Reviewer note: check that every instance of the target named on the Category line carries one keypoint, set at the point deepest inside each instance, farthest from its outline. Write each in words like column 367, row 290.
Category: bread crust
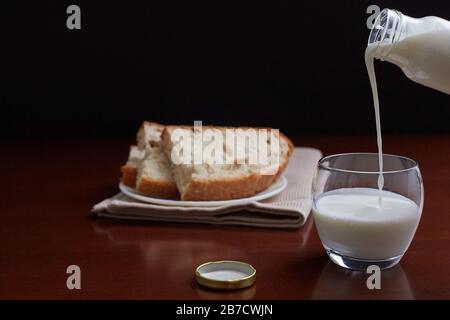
column 129, row 174
column 157, row 188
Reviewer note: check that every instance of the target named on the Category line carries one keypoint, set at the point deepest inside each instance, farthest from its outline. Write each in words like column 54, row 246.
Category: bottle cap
column 225, row 275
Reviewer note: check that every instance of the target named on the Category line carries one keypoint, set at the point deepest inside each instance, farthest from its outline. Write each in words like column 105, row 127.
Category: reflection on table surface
column 338, row 283
column 170, row 258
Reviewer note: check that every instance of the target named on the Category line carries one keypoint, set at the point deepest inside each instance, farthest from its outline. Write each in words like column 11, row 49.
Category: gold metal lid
column 225, row 275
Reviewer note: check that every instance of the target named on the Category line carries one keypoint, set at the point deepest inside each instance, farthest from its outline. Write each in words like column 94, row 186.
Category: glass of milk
column 360, row 224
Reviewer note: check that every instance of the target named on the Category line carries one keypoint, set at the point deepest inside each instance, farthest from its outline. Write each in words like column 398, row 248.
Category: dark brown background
column 223, row 62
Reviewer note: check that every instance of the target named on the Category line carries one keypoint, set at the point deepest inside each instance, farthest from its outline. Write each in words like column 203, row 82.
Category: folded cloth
column 288, row 209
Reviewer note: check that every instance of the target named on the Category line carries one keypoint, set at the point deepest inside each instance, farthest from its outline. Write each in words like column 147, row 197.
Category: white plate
column 277, row 187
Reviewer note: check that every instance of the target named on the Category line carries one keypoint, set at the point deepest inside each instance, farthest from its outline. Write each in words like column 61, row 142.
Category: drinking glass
column 355, row 230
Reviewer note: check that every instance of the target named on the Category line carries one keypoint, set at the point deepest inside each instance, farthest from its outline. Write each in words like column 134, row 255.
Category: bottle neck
column 386, row 31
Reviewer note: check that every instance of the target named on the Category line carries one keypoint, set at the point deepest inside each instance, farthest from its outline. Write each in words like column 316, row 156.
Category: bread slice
column 129, row 170
column 147, row 169
column 149, row 135
column 154, row 177
column 211, row 181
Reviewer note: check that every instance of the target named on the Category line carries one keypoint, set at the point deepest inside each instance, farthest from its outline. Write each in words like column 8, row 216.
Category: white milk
column 351, row 222
column 428, row 57
column 420, row 47
column 371, row 224
column 422, row 51
column 370, row 55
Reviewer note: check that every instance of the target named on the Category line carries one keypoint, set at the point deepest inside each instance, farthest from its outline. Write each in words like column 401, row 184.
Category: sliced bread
column 129, row 170
column 147, row 169
column 212, row 181
column 154, row 177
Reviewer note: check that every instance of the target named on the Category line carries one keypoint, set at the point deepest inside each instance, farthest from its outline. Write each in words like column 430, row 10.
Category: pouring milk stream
column 364, row 223
column 420, row 47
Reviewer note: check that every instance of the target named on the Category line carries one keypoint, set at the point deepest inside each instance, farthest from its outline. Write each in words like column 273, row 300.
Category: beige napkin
column 289, row 209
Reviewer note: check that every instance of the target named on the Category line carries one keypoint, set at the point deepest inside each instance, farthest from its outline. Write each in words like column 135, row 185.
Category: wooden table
column 48, row 189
